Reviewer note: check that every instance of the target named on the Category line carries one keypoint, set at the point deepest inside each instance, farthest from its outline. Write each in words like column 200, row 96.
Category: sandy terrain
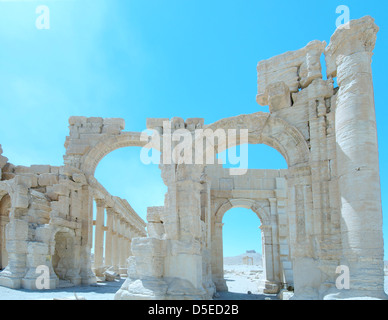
column 239, row 278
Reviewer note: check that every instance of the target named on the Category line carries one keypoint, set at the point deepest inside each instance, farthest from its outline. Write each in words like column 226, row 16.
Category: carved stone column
column 129, row 246
column 86, row 273
column 348, row 57
column 275, row 240
column 108, row 237
column 115, row 243
column 99, row 237
column 122, row 253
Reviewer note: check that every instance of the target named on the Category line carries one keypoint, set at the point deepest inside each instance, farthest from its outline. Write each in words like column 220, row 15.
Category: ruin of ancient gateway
column 322, row 212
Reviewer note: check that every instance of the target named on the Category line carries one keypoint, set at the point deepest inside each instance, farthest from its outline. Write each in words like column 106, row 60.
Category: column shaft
column 108, row 238
column 99, row 235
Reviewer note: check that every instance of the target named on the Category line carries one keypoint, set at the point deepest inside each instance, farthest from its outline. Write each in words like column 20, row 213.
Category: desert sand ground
column 244, row 283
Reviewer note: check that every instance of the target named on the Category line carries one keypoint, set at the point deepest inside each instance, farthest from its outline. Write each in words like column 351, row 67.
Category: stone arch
column 5, row 207
column 217, row 233
column 255, row 206
column 106, row 145
column 266, row 129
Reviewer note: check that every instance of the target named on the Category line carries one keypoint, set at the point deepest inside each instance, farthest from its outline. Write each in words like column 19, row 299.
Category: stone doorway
column 243, row 261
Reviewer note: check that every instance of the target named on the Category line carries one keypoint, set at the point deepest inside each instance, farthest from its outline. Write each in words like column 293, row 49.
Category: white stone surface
column 322, row 212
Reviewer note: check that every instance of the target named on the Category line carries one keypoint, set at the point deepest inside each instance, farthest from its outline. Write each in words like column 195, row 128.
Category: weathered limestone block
column 155, row 227
column 37, row 255
column 149, row 253
column 39, row 208
column 22, row 169
column 154, row 214
column 195, row 123
column 39, row 169
column 61, row 206
column 156, row 124
column 307, row 279
column 74, row 120
column 43, row 233
column 113, row 125
column 17, row 236
column 25, row 181
column 177, row 123
column 77, row 148
column 297, row 69
column 150, row 288
column 111, row 275
column 176, row 247
column 3, row 160
column 20, row 198
column 278, row 95
column 48, row 179
column 57, row 190
column 8, row 171
column 79, row 178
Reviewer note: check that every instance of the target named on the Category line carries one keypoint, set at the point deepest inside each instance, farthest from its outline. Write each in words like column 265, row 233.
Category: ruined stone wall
column 47, row 219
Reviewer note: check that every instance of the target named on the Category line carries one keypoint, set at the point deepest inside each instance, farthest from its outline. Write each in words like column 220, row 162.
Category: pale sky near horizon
column 140, row 59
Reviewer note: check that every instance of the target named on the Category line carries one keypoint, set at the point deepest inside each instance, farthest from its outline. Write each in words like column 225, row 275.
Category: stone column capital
column 100, row 203
column 356, row 36
column 110, row 211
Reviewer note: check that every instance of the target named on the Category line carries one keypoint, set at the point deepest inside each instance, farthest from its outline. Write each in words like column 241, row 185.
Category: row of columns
column 117, row 240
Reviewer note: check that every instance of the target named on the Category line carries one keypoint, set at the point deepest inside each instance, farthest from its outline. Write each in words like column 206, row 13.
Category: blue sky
column 135, row 59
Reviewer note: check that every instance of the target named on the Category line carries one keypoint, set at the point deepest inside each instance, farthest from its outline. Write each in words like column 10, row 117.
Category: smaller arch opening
column 243, row 264
column 123, row 174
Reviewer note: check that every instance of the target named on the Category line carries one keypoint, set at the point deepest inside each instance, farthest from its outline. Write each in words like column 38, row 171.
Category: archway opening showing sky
column 241, row 232
column 123, row 174
column 241, row 226
column 253, row 156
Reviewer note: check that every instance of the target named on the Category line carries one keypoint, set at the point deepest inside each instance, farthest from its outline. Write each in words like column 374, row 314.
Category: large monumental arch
column 321, row 213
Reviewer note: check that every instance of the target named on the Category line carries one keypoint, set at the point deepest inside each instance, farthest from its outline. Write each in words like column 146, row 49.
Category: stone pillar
column 185, row 262
column 86, row 273
column 275, row 239
column 37, row 256
column 16, row 245
column 16, row 234
column 174, row 263
column 129, row 246
column 123, row 257
column 115, row 243
column 307, row 274
column 348, row 57
column 218, row 259
column 99, row 237
column 109, row 237
column 270, row 286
